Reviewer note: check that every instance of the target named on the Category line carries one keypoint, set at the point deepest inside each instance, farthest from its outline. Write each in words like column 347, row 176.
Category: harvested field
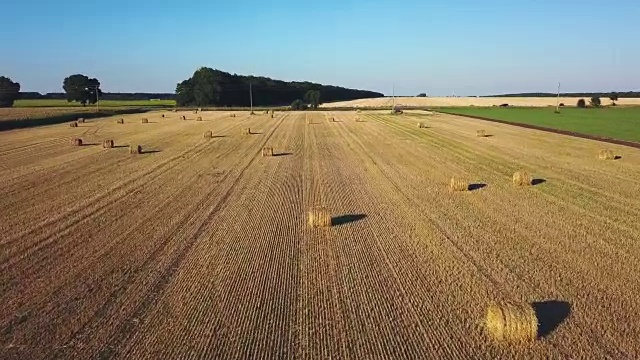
column 467, row 101
column 202, row 249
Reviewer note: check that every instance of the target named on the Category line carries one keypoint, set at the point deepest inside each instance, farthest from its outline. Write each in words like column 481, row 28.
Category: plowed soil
column 199, row 248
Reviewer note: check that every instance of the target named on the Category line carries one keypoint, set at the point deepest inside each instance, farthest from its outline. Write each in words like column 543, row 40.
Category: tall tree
column 9, row 91
column 312, row 97
column 613, row 97
column 595, row 101
column 82, row 89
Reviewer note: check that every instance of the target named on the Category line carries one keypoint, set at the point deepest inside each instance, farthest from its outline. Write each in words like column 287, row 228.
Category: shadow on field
column 535, row 182
column 550, row 314
column 219, row 136
column 120, row 146
column 90, row 144
column 488, row 136
column 255, row 133
column 150, row 151
column 477, row 186
column 345, row 219
column 283, row 154
column 617, row 157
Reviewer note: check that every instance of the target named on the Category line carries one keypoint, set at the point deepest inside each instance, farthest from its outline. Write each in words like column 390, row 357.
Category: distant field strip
column 621, row 123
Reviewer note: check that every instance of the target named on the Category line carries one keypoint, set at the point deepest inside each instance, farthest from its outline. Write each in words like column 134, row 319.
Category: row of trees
column 77, row 87
column 103, row 96
column 210, row 87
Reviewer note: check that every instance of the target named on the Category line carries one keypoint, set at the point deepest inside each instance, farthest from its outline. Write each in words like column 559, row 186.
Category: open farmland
column 200, row 248
column 468, row 101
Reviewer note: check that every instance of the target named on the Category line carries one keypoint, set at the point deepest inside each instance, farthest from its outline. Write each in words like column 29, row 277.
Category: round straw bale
column 162, row 115
column 246, row 131
column 135, row 149
column 76, row 142
column 458, row 185
column 145, row 120
column 481, row 133
column 208, row 134
column 184, row 117
column 199, row 118
column 267, row 151
column 420, row 125
column 319, row 217
column 522, row 178
column 233, row 115
column 510, row 322
column 81, row 120
column 107, row 144
column 120, row 121
column 606, row 154
column 73, row 124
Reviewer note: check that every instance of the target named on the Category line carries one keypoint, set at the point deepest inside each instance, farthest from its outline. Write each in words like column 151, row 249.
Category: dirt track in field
column 198, row 248
column 469, row 101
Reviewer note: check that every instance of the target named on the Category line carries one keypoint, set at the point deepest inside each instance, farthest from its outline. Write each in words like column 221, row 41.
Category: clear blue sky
column 467, row 46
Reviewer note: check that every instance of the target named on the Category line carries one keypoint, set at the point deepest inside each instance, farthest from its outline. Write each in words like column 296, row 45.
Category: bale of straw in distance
column 199, row 118
column 184, row 117
column 511, row 322
column 357, row 118
column 246, row 131
column 208, row 134
column 145, row 120
column 162, row 115
column 73, row 124
column 522, row 178
column 458, row 185
column 135, row 149
column 107, row 144
column 76, row 142
column 267, row 151
column 233, row 115
column 606, row 154
column 81, row 120
column 120, row 121
column 420, row 125
column 195, row 111
column 319, row 217
column 481, row 133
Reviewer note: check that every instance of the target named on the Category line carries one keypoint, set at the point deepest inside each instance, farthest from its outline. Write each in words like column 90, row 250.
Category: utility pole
column 558, row 99
column 394, row 97
column 97, row 100
column 251, row 97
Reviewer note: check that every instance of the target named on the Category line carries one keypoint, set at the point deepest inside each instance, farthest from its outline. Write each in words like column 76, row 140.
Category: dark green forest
column 210, row 87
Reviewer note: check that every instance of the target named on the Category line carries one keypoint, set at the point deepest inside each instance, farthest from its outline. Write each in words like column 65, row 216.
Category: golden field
column 200, row 247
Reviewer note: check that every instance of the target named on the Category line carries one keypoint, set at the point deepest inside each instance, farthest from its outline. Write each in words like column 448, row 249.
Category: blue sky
column 464, row 46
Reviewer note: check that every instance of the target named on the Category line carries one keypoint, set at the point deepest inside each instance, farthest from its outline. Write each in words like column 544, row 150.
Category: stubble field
column 199, row 248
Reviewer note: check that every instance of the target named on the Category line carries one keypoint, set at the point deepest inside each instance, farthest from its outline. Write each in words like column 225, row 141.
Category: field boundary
column 71, row 116
column 551, row 130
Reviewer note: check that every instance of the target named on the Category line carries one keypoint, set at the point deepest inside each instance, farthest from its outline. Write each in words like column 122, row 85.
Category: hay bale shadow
column 617, row 157
column 219, row 136
column 150, row 151
column 477, row 186
column 90, row 144
column 345, row 219
column 535, row 182
column 283, row 154
column 488, row 136
column 550, row 314
column 120, row 146
column 255, row 133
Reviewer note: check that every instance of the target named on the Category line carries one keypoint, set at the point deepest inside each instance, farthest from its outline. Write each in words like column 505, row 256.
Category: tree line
column 210, row 87
column 103, row 96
